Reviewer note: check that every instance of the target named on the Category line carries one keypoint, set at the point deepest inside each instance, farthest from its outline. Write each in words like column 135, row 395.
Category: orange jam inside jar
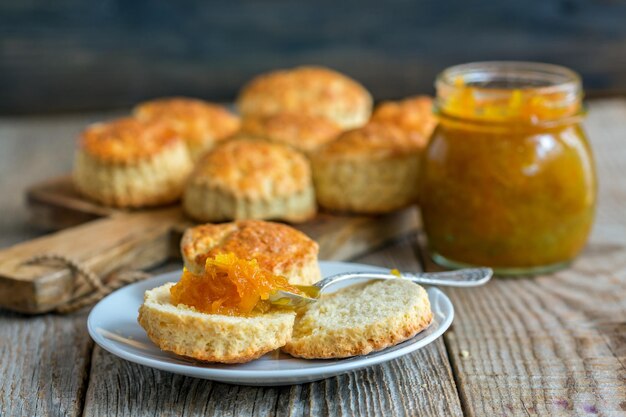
column 230, row 286
column 508, row 178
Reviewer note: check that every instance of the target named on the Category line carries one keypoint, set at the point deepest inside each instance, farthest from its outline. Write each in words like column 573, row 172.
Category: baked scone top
column 275, row 246
column 414, row 115
column 196, row 120
column 374, row 140
column 311, row 90
column 254, row 169
column 302, row 131
column 127, row 139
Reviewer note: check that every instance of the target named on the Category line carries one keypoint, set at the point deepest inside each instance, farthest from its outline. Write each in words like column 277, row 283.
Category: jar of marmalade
column 508, row 179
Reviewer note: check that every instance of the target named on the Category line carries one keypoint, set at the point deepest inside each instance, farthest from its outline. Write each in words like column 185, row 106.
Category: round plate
column 113, row 325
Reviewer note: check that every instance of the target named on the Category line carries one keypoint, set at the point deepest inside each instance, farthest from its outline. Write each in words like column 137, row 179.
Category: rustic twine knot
column 84, row 278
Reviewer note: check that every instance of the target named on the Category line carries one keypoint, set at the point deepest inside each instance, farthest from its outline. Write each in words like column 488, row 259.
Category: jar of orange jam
column 508, row 178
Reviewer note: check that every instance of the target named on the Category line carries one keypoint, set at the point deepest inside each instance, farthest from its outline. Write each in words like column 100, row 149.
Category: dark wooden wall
column 58, row 55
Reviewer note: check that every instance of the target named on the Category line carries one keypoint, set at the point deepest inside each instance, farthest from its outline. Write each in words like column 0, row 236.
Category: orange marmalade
column 230, row 286
column 508, row 178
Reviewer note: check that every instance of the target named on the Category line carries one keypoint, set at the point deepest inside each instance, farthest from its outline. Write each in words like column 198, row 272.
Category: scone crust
column 304, row 132
column 310, row 90
column 251, row 179
column 253, row 169
column 372, row 141
column 211, row 337
column 127, row 140
column 201, row 124
column 373, row 169
column 278, row 248
column 413, row 115
column 368, row 331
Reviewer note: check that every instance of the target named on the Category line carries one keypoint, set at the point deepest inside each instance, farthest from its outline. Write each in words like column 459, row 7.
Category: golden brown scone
column 373, row 169
column 278, row 248
column 251, row 179
column 304, row 132
column 211, row 337
column 131, row 163
column 360, row 319
column 199, row 123
column 307, row 90
column 413, row 115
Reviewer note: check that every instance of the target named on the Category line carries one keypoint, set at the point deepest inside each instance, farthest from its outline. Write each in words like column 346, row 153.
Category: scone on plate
column 307, row 90
column 131, row 163
column 201, row 124
column 413, row 115
column 303, row 132
column 373, row 169
column 220, row 310
column 360, row 319
column 251, row 179
column 277, row 248
column 203, row 316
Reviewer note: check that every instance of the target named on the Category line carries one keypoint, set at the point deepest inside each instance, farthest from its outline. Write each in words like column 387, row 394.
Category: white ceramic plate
column 113, row 325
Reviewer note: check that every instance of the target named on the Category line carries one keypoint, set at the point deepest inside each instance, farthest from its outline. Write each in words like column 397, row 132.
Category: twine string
column 83, row 277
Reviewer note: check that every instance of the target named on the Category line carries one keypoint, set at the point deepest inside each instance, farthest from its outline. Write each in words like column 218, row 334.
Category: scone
column 303, row 132
column 251, row 179
column 360, row 319
column 131, row 163
column 307, row 90
column 211, row 337
column 373, row 169
column 413, row 115
column 199, row 123
column 278, row 248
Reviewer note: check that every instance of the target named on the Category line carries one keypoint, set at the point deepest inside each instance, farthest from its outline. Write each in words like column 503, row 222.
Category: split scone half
column 370, row 170
column 251, row 179
column 131, row 163
column 277, row 248
column 308, row 90
column 360, row 319
column 220, row 338
column 199, row 123
column 413, row 115
column 219, row 311
column 303, row 132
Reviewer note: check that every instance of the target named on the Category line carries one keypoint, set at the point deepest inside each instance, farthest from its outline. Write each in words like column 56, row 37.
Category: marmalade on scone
column 229, row 285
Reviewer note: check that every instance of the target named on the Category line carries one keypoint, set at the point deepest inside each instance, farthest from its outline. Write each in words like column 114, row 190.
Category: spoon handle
column 468, row 277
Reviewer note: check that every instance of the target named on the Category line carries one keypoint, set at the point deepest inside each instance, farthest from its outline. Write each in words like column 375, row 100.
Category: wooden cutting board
column 108, row 240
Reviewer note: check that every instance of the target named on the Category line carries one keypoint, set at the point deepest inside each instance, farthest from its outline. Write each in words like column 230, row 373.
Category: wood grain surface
column 44, row 363
column 545, row 346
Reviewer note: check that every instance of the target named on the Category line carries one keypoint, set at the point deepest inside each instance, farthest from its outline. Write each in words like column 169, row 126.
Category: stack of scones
column 303, row 137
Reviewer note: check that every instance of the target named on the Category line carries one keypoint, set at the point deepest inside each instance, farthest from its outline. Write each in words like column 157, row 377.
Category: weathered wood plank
column 418, row 384
column 44, row 364
column 556, row 344
column 143, row 238
column 545, row 346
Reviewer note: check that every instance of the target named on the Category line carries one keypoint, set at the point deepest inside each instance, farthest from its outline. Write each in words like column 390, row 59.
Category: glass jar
column 508, row 179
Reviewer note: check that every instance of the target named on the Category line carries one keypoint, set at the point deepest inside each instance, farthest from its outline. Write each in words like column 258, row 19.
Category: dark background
column 65, row 55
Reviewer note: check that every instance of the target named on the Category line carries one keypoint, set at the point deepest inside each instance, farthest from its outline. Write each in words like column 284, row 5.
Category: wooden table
column 550, row 345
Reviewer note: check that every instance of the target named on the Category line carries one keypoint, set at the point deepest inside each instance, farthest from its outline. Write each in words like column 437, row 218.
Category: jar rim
column 511, row 75
column 509, row 92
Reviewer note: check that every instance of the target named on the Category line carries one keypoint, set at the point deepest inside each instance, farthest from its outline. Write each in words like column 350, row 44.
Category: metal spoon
column 469, row 277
